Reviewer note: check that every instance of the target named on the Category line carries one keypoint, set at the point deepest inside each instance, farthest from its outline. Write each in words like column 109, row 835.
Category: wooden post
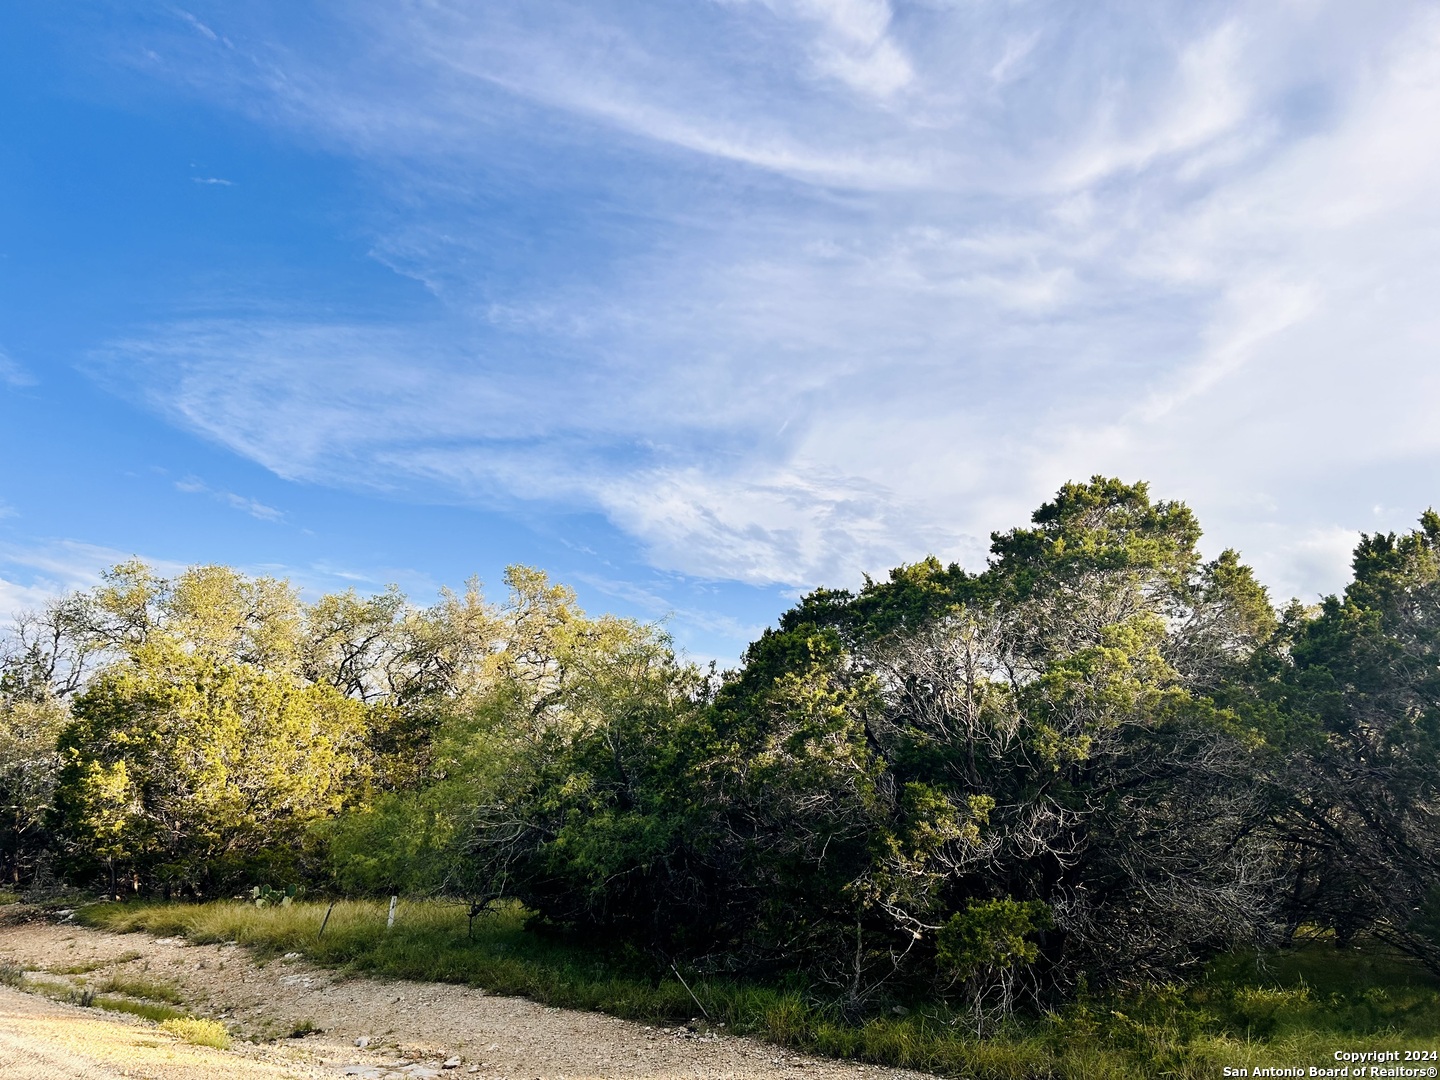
column 326, row 921
column 390, row 922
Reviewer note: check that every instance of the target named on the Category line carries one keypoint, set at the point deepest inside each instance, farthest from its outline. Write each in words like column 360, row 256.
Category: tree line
column 1097, row 762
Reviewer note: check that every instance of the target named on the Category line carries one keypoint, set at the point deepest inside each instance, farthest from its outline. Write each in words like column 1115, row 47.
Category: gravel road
column 360, row 1027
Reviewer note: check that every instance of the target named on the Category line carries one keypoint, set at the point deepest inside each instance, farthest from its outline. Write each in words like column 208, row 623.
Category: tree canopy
column 1097, row 760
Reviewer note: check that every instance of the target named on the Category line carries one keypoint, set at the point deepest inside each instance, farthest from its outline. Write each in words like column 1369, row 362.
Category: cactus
column 265, row 896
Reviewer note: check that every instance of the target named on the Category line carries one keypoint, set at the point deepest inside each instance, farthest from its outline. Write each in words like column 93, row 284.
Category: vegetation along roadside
column 1099, row 808
column 1245, row 1009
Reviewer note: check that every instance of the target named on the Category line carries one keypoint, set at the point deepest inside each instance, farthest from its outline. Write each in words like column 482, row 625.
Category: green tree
column 1045, row 734
column 578, row 738
column 1358, row 729
column 537, row 768
column 413, row 667
column 1053, row 718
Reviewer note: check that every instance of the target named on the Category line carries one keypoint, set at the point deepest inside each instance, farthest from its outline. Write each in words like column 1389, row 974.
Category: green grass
column 88, row 997
column 93, row 965
column 60, row 991
column 146, row 1010
column 1285, row 1009
column 141, row 988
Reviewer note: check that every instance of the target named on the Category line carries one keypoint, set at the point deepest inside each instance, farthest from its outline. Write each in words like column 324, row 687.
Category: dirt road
column 357, row 1026
column 42, row 1039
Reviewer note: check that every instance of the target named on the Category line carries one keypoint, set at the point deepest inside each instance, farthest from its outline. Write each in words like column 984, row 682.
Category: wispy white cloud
column 192, row 485
column 855, row 44
column 1207, row 99
column 681, row 620
column 213, row 180
column 34, row 574
column 1013, row 59
column 780, row 526
column 197, row 25
column 12, row 373
column 815, row 287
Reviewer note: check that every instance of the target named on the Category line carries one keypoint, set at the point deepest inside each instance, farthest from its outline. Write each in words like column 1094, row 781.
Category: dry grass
column 46, row 1041
column 198, row 1032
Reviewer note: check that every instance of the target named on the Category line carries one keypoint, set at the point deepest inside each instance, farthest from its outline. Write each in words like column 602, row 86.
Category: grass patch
column 93, row 965
column 1280, row 1009
column 146, row 1010
column 89, row 997
column 60, row 991
column 198, row 1032
column 141, row 988
column 303, row 1028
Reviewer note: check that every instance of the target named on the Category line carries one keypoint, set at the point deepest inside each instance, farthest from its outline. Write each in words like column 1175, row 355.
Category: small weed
column 198, row 1032
column 82, row 996
column 303, row 1028
column 11, row 974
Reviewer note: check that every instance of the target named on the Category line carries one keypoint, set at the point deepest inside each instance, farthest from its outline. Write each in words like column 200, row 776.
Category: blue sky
column 699, row 305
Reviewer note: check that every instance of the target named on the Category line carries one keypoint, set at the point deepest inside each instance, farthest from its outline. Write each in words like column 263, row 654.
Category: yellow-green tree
column 201, row 754
column 542, row 720
column 192, row 771
column 40, row 667
column 29, row 766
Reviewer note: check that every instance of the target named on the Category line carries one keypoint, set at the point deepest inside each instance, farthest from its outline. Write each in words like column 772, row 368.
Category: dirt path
column 42, row 1039
column 360, row 1026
